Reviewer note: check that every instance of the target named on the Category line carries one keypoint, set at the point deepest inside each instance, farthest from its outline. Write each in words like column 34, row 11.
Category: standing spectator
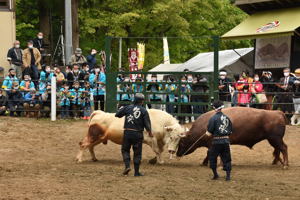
column 200, row 86
column 10, row 79
column 185, row 109
column 26, row 85
column 137, row 87
column 235, row 90
column 3, row 103
column 285, row 87
column 64, row 96
column 85, row 74
column 75, row 75
column 32, row 104
column 258, row 92
column 46, row 74
column 46, row 101
column 154, row 86
column 15, row 100
column 244, row 97
column 76, row 93
column 296, row 98
column 14, row 57
column 126, row 88
column 224, row 89
column 38, row 42
column 97, row 81
column 31, row 61
column 78, row 58
column 170, row 98
column 91, row 59
column 86, row 101
column 269, row 87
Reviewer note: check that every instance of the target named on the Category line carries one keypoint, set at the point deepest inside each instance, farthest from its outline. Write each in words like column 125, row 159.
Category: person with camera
column 26, row 85
column 97, row 81
column 32, row 103
column 91, row 59
column 78, row 58
column 65, row 101
column 14, row 57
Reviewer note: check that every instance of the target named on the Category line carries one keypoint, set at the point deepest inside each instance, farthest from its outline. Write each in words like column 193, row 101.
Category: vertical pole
column 68, row 29
column 53, row 98
column 216, row 41
column 111, row 80
column 120, row 53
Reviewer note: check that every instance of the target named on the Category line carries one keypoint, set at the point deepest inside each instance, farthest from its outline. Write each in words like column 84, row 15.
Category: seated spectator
column 244, row 97
column 64, row 101
column 137, row 87
column 76, row 93
column 199, row 85
column 86, row 101
column 97, row 81
column 126, row 88
column 60, row 77
column 10, row 79
column 3, row 103
column 15, row 100
column 85, row 74
column 26, row 85
column 78, row 58
column 32, row 104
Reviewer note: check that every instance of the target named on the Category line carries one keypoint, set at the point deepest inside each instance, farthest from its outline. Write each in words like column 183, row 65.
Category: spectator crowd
column 81, row 87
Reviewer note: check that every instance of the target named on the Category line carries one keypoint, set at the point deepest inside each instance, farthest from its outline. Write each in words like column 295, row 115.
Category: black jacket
column 15, row 98
column 38, row 43
column 3, row 101
column 220, row 125
column 136, row 117
column 224, row 93
column 15, row 56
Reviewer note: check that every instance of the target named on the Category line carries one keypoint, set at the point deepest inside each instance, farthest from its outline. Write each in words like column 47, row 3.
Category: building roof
column 253, row 6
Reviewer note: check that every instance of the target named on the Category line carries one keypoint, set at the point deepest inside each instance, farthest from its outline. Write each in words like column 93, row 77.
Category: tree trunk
column 44, row 20
column 75, row 24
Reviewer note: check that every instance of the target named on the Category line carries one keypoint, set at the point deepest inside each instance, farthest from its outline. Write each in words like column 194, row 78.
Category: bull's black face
column 182, row 147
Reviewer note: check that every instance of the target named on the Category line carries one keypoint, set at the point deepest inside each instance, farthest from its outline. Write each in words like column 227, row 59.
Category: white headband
column 223, row 73
column 219, row 107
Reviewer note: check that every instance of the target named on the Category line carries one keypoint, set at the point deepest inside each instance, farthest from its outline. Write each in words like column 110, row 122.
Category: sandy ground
column 37, row 161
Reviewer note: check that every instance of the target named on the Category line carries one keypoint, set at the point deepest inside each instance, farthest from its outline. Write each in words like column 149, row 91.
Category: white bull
column 105, row 126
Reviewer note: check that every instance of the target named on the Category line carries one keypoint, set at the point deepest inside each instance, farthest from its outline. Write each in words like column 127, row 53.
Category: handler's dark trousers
column 134, row 139
column 222, row 150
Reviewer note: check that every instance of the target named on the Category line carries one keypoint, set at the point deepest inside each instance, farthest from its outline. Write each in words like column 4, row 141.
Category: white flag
column 166, row 51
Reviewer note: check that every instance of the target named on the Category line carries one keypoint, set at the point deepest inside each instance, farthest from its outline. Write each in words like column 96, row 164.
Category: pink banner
column 133, row 62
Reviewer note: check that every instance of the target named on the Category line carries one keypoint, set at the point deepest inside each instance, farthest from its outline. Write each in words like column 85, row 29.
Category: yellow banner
column 141, row 55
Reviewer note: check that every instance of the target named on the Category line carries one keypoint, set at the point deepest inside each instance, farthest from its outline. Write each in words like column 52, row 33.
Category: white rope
column 193, row 144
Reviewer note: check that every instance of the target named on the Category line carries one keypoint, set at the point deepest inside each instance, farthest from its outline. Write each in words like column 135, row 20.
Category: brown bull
column 250, row 126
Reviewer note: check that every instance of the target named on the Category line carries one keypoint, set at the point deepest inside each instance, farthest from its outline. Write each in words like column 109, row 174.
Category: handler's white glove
column 208, row 134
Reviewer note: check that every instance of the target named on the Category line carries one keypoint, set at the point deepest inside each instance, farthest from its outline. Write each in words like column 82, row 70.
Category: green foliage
column 187, row 23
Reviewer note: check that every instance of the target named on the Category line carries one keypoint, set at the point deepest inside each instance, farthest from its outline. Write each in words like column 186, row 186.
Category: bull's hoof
column 285, row 167
column 153, row 161
column 95, row 160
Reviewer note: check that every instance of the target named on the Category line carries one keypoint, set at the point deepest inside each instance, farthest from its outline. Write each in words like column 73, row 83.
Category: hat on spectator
column 297, row 71
column 223, row 73
column 78, row 50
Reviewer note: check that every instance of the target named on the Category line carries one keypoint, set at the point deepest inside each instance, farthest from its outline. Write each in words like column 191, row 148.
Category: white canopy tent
column 164, row 68
column 234, row 61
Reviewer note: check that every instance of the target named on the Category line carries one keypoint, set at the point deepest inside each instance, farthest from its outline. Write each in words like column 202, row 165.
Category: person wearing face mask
column 285, row 89
column 184, row 98
column 97, row 81
column 46, row 101
column 76, row 93
column 46, row 75
column 91, row 59
column 78, row 58
column 3, row 103
column 170, row 98
column 200, row 85
column 258, row 92
column 10, row 79
column 26, row 85
column 31, row 61
column 15, row 100
column 125, row 98
column 269, row 87
column 75, row 75
column 60, row 77
column 38, row 42
column 225, row 88
column 85, row 74
column 64, row 101
column 14, row 57
column 154, row 86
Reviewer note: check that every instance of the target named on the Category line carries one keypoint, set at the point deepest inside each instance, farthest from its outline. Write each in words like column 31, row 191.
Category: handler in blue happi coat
column 219, row 127
column 136, row 120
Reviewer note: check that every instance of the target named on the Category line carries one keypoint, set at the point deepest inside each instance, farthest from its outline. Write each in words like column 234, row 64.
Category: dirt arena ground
column 37, row 162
